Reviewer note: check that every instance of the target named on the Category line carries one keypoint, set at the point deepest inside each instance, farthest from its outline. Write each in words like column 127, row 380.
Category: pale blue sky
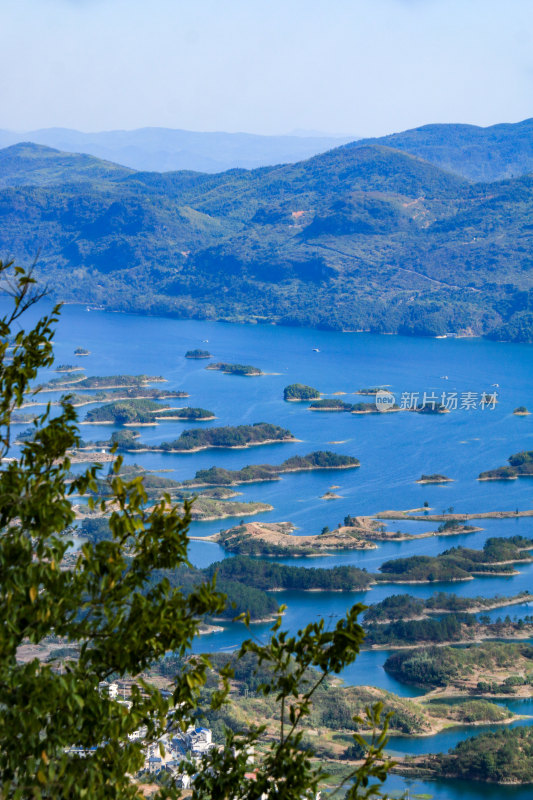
column 363, row 67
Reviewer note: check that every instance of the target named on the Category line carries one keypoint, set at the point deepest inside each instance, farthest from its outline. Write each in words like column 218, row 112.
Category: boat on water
column 316, row 350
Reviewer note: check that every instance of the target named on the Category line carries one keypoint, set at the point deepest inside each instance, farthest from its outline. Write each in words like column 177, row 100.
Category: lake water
column 394, row 450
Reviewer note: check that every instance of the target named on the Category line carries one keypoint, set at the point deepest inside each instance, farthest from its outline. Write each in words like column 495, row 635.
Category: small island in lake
column 520, row 466
column 406, row 608
column 102, row 382
column 235, row 369
column 430, row 408
column 142, row 412
column 521, row 411
column 276, row 539
column 373, row 390
column 81, row 351
column 257, row 473
column 68, row 368
column 198, row 354
column 334, row 404
column 497, row 557
column 193, row 440
column 330, row 404
column 455, row 628
column 434, row 478
column 297, row 392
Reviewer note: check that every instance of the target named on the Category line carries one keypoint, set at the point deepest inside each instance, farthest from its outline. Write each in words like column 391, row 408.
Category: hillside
column 30, row 164
column 358, row 238
column 480, row 154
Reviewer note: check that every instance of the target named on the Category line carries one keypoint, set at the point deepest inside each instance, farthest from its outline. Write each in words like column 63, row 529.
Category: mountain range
column 367, row 236
column 164, row 149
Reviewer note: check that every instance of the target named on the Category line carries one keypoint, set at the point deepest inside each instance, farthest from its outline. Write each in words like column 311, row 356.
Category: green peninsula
column 520, row 466
column 488, row 668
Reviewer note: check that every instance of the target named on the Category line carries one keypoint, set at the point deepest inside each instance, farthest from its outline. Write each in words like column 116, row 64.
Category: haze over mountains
column 164, row 149
column 363, row 236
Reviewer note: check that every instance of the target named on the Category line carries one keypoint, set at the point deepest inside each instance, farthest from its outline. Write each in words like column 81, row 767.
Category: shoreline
column 209, row 447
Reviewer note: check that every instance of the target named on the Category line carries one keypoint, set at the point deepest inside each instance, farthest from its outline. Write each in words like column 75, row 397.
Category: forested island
column 81, row 351
column 198, row 354
column 405, row 607
column 334, row 404
column 235, row 369
column 330, row 404
column 68, row 368
column 276, row 539
column 520, row 466
column 269, row 576
column 143, row 412
column 502, row 756
column 237, row 437
column 430, row 408
column 498, row 556
column 114, row 395
column 257, row 473
column 434, row 478
column 454, row 628
column 296, row 392
column 194, row 440
column 100, row 382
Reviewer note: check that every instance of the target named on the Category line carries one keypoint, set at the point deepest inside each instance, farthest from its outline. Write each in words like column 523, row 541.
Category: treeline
column 266, row 575
column 242, row 597
column 449, row 628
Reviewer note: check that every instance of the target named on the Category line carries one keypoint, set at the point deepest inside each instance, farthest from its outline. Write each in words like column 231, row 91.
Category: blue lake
column 394, row 450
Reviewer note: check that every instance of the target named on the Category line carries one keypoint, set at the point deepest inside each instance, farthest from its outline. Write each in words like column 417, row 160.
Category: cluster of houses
column 167, row 753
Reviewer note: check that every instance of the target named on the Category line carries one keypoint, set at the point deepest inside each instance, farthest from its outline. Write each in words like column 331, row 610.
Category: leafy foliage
column 115, row 605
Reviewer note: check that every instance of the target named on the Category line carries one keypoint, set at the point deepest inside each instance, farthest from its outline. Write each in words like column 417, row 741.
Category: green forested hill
column 364, row 237
column 481, row 154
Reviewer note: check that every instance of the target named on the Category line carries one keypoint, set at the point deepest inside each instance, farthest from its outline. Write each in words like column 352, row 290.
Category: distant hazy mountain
column 164, row 149
column 366, row 237
column 481, row 154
